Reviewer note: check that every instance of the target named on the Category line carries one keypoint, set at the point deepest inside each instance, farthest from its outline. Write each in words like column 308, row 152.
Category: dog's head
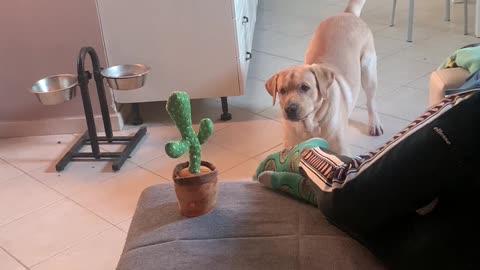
column 301, row 89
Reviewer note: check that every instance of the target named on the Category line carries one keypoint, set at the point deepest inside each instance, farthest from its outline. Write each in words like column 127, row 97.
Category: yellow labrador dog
column 318, row 97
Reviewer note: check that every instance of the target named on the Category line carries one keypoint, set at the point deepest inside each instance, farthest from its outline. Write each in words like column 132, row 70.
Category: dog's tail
column 355, row 7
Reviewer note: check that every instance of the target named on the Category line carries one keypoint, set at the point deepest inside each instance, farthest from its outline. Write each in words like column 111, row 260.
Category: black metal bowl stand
column 90, row 137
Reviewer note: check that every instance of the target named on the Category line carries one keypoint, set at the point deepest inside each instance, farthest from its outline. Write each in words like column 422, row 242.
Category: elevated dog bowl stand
column 118, row 158
column 90, row 137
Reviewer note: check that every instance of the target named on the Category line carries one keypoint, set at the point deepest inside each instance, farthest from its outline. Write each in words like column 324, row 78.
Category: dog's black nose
column 291, row 111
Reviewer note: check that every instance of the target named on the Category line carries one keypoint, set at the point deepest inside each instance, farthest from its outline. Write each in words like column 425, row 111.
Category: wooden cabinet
column 201, row 47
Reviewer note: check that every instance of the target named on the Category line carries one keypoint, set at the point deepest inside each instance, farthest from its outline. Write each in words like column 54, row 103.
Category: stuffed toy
column 467, row 58
column 179, row 108
column 280, row 170
column 411, row 201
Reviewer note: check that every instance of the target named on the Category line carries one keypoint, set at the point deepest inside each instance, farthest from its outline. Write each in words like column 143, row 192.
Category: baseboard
column 55, row 126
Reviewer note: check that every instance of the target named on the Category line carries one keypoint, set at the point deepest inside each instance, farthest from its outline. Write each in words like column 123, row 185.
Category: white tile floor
column 78, row 219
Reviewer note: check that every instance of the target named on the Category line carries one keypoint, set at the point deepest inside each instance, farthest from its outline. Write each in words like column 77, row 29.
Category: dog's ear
column 271, row 86
column 324, row 78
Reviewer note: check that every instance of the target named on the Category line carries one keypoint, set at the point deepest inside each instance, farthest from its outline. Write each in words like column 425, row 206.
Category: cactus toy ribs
column 179, row 109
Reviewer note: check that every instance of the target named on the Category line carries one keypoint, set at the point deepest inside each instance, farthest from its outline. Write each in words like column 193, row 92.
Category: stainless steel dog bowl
column 126, row 77
column 56, row 89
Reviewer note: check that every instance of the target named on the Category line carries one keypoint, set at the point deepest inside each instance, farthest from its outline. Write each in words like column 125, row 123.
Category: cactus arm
column 205, row 131
column 179, row 109
column 177, row 149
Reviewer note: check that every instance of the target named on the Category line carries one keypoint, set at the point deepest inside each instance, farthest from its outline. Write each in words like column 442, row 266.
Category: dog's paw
column 376, row 130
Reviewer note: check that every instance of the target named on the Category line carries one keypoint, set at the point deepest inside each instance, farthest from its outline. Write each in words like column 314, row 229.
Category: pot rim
column 195, row 179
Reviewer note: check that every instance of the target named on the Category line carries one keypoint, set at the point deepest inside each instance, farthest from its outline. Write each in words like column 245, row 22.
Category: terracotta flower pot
column 196, row 194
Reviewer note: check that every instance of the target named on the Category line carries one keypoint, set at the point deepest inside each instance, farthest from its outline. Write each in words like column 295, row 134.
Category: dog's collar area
column 308, row 121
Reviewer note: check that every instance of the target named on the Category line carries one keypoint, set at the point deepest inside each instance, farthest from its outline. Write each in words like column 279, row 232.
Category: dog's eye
column 283, row 91
column 305, row 87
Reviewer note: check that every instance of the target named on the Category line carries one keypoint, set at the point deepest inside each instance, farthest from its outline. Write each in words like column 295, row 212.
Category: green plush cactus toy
column 179, row 109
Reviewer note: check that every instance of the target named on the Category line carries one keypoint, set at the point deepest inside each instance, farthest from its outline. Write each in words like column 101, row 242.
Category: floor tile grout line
column 36, row 136
column 234, row 151
column 404, row 44
column 118, row 224
column 303, row 36
column 398, row 117
column 15, row 258
column 239, row 107
column 122, row 230
column 13, row 165
column 268, row 150
column 283, row 57
column 32, row 212
column 139, row 164
column 258, row 114
column 268, row 117
column 361, row 147
column 91, row 211
column 383, row 27
column 379, row 59
column 66, row 198
column 73, row 245
column 417, row 89
column 398, row 88
column 220, row 146
column 150, row 171
column 263, row 111
column 408, row 58
column 105, row 179
column 54, row 161
column 418, row 78
column 248, row 158
column 43, row 184
column 235, row 166
column 388, row 115
column 62, row 196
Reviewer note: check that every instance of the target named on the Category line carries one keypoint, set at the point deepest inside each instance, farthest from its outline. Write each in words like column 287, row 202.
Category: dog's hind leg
column 369, row 85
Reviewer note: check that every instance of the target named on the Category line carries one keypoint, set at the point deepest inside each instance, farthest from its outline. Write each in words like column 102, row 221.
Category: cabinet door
column 252, row 19
column 241, row 22
column 190, row 45
column 245, row 21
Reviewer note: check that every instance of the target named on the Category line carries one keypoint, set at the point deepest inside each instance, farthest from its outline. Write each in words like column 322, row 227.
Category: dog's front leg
column 289, row 137
column 375, row 127
column 293, row 134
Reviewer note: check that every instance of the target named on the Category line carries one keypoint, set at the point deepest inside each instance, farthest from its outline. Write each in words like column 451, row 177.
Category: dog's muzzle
column 292, row 112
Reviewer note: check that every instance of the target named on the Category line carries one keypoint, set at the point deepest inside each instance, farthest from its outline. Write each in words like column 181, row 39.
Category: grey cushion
column 252, row 227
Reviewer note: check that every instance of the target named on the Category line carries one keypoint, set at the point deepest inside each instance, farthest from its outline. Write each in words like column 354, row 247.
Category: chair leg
column 447, row 10
column 392, row 22
column 465, row 11
column 410, row 20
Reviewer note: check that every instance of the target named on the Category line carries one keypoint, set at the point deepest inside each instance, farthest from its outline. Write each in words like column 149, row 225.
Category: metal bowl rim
column 147, row 69
column 58, row 90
